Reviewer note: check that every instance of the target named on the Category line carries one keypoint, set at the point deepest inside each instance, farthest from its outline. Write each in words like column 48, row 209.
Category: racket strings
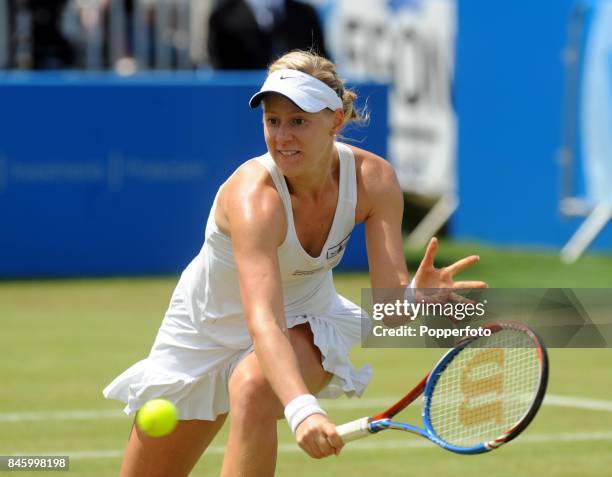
column 486, row 389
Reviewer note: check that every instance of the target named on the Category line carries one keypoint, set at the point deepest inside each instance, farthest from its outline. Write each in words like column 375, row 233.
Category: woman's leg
column 254, row 408
column 173, row 455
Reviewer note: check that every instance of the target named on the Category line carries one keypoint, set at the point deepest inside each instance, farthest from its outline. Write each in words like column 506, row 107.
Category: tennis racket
column 482, row 393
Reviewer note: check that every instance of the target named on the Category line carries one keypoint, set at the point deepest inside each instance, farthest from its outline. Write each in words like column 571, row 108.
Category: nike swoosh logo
column 287, row 77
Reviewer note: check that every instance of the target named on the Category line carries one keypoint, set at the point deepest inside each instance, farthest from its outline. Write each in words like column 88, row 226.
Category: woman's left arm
column 382, row 197
column 384, row 205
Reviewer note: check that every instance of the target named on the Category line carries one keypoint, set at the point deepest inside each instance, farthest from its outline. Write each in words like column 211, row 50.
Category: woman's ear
column 338, row 122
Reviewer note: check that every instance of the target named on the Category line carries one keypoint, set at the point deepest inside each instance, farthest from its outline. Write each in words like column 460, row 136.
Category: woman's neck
column 316, row 180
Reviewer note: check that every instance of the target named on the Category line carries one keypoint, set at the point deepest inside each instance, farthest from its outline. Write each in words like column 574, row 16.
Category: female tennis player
column 255, row 326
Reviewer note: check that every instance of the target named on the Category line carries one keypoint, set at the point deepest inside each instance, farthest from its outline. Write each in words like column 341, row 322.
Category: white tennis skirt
column 191, row 361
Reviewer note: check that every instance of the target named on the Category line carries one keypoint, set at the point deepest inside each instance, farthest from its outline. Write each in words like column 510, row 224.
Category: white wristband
column 409, row 294
column 300, row 408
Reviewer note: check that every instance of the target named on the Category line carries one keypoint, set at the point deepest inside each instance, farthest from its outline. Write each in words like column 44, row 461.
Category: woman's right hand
column 318, row 437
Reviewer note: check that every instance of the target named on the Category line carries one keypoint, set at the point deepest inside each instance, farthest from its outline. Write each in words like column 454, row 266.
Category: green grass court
column 62, row 341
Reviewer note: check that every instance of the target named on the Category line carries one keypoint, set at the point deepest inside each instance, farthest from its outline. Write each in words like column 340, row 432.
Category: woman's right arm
column 257, row 223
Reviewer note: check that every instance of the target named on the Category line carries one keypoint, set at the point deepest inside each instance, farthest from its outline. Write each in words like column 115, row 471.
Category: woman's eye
column 299, row 121
column 272, row 121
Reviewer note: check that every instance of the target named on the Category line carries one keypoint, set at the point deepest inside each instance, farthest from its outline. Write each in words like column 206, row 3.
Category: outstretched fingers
column 470, row 284
column 462, row 264
column 430, row 253
column 428, row 276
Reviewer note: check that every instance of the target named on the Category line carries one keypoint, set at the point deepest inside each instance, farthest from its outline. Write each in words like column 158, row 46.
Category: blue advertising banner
column 510, row 104
column 101, row 175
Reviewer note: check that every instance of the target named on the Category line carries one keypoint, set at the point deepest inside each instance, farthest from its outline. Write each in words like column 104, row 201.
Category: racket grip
column 354, row 430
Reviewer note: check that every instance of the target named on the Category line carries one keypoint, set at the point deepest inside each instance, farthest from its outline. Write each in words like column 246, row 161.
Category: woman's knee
column 173, row 455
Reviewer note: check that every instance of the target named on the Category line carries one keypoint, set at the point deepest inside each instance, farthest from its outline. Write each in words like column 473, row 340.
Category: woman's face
column 299, row 142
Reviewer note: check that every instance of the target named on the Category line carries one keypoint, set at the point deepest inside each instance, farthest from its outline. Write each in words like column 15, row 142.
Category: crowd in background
column 131, row 35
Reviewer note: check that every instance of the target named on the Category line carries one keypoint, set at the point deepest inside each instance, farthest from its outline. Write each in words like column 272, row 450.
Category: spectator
column 36, row 40
column 251, row 34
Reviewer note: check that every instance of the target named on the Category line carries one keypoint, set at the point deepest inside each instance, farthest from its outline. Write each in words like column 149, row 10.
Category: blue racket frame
column 428, row 431
column 429, row 387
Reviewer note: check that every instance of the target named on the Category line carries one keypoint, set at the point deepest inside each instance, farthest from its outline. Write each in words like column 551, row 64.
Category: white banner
column 411, row 44
column 596, row 108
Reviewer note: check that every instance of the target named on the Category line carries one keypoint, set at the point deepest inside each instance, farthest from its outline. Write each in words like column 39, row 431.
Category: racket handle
column 354, row 430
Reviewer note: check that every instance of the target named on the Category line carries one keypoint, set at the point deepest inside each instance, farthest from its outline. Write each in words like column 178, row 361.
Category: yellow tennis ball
column 157, row 418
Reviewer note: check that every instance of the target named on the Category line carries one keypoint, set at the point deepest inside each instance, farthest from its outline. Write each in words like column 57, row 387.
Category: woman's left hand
column 428, row 276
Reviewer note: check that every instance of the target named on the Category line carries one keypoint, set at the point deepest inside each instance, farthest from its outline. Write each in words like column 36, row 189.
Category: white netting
column 486, row 389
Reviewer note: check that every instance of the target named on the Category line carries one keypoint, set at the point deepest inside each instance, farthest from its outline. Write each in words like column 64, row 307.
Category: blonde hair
column 324, row 70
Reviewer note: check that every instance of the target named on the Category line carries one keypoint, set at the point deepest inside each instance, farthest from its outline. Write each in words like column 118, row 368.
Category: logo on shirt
column 336, row 250
column 301, row 273
column 332, row 252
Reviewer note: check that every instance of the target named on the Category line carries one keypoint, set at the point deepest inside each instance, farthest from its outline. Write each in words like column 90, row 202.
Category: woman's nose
column 283, row 132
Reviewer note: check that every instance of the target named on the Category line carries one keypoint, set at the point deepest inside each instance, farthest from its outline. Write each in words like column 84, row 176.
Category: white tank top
column 211, row 280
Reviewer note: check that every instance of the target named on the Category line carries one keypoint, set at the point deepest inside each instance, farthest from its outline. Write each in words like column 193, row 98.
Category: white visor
column 306, row 91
